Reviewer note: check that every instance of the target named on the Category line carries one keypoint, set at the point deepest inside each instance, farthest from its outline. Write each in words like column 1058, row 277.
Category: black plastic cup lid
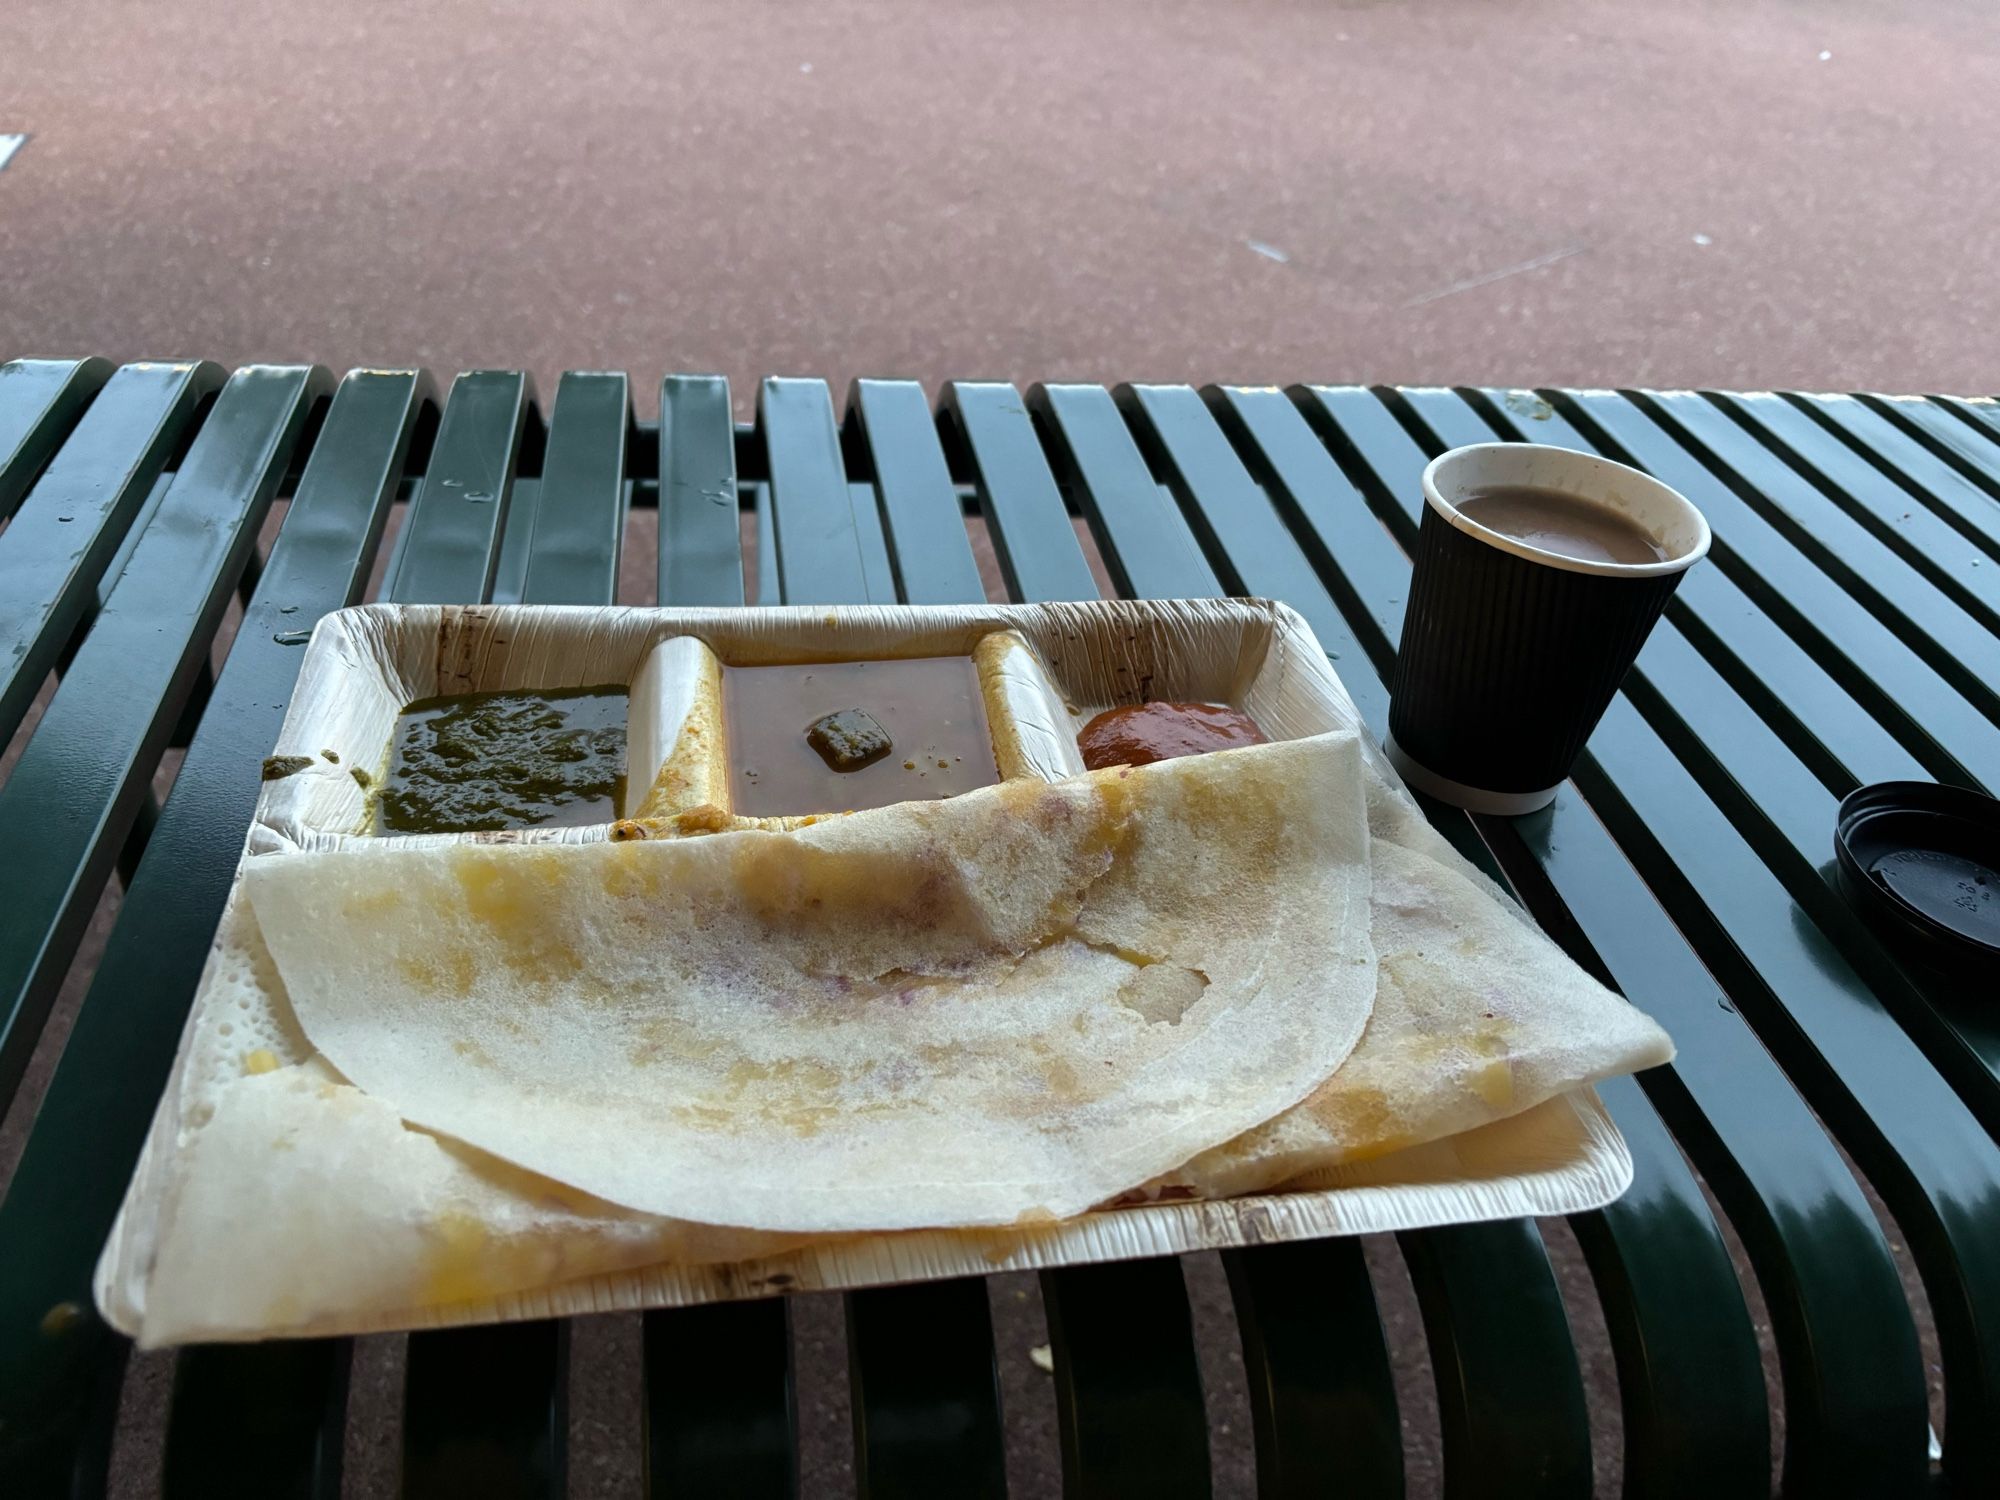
column 1922, row 863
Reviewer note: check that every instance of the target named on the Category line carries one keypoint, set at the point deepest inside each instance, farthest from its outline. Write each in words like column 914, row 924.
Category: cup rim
column 1678, row 563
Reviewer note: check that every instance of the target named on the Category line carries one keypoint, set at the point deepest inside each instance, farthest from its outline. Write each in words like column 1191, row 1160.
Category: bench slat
column 487, row 1402
column 701, row 548
column 1104, row 1393
column 449, row 550
column 1837, row 1312
column 1967, row 507
column 486, row 1412
column 1689, row 1382
column 1981, row 413
column 1025, row 519
column 1760, row 659
column 494, row 1400
column 262, row 1419
column 924, row 1374
column 1129, row 1406
column 926, row 1391
column 451, row 536
column 101, row 1099
column 721, row 1413
column 878, row 573
column 927, row 543
column 54, row 555
column 818, row 542
column 510, row 566
column 572, row 555
column 1943, row 576
column 40, row 400
column 277, row 1410
column 77, row 786
column 1322, row 1405
column 1138, row 528
column 766, row 544
column 1958, row 432
column 1507, row 1428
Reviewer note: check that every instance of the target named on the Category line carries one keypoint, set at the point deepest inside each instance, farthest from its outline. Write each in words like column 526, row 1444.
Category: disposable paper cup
column 1510, row 653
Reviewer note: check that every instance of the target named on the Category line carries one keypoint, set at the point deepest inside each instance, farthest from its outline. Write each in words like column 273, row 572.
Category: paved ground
column 1705, row 192
column 1583, row 192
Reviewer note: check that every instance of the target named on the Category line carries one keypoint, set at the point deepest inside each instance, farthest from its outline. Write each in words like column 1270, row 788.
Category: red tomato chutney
column 1142, row 733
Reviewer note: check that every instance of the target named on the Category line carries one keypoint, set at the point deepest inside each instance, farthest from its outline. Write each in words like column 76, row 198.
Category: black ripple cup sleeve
column 1510, row 653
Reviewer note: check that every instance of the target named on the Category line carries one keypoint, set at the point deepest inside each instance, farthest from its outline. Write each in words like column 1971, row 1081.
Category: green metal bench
column 1847, row 630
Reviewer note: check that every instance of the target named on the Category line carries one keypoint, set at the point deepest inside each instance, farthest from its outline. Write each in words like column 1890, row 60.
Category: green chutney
column 477, row 761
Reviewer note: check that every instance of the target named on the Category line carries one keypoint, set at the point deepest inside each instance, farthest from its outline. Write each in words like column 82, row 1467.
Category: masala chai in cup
column 1539, row 574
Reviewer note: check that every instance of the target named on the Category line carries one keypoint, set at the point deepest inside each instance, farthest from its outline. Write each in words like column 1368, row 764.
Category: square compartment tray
column 1060, row 664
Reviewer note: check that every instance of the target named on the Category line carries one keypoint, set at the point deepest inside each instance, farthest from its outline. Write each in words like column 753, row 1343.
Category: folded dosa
column 1477, row 1016
column 1005, row 1007
column 306, row 1205
column 280, row 1157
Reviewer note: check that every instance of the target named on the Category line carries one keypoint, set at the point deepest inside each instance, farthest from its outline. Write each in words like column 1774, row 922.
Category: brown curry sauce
column 930, row 707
